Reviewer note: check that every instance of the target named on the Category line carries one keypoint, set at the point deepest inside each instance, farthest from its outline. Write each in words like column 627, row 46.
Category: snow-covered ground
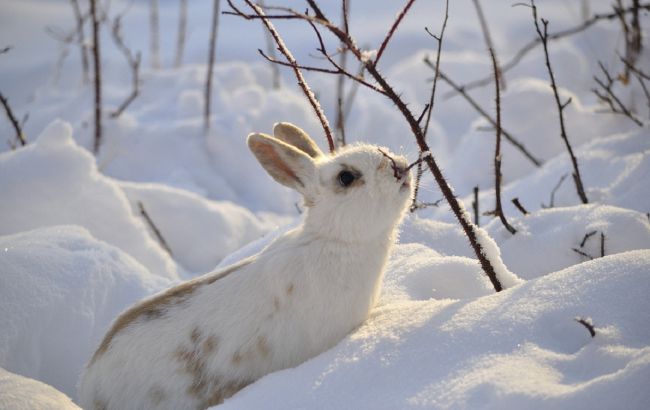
column 76, row 250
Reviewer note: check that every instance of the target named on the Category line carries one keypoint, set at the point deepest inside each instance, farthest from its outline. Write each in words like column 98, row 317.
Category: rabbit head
column 355, row 194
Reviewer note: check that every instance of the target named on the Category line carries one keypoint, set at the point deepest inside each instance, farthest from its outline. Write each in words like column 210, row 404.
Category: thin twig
column 519, row 206
column 523, row 51
column 615, row 104
column 543, row 36
column 602, row 244
column 270, row 49
column 551, row 203
column 392, row 30
column 429, row 107
column 475, row 207
column 579, row 252
column 488, row 40
column 154, row 228
column 98, row 78
column 154, row 34
column 509, row 137
column 14, row 122
column 497, row 150
column 134, row 64
column 340, row 80
column 586, row 237
column 211, row 53
column 81, row 40
column 180, row 35
column 587, row 323
column 301, row 80
column 5, row 49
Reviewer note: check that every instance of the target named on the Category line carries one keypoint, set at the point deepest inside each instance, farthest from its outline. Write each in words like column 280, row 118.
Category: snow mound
column 549, row 240
column 60, row 288
column 22, row 393
column 520, row 348
column 55, row 182
column 199, row 232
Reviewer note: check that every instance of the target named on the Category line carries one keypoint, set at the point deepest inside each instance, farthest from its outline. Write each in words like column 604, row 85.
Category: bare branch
column 519, row 206
column 98, row 77
column 602, row 244
column 586, row 237
column 497, row 151
column 392, row 30
column 543, row 36
column 340, row 83
column 5, row 49
column 211, row 53
column 154, row 228
column 81, row 40
column 551, row 203
column 134, row 64
column 301, row 80
column 579, row 252
column 488, row 40
column 519, row 55
column 14, row 122
column 509, row 137
column 588, row 324
column 180, row 36
column 154, row 34
column 475, row 207
column 270, row 49
column 607, row 95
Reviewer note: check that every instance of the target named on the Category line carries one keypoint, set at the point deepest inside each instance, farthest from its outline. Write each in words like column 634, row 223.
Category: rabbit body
column 200, row 342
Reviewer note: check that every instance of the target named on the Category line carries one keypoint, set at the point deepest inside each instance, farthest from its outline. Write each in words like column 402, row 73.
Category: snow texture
column 21, row 393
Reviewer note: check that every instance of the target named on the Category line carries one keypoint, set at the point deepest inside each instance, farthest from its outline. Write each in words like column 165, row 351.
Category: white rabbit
column 200, row 342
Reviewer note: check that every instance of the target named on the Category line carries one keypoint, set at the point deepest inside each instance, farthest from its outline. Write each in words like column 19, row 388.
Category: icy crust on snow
column 520, row 348
column 22, row 393
column 199, row 232
column 55, row 182
column 60, row 289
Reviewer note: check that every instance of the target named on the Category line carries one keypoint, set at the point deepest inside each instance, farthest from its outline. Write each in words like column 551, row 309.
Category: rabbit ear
column 296, row 137
column 285, row 163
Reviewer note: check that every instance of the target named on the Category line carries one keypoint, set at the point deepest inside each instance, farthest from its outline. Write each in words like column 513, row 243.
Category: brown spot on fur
column 263, row 346
column 157, row 395
column 236, row 358
column 158, row 305
column 195, row 335
column 210, row 344
column 290, row 289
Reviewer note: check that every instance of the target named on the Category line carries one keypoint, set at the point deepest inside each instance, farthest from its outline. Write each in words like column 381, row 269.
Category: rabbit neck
column 345, row 230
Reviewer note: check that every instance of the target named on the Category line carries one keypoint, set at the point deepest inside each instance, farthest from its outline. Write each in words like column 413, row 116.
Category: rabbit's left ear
column 292, row 135
column 286, row 164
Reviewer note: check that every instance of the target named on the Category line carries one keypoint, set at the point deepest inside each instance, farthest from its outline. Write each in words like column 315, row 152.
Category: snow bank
column 60, row 288
column 22, row 393
column 520, row 348
column 55, row 182
column 199, row 232
column 545, row 239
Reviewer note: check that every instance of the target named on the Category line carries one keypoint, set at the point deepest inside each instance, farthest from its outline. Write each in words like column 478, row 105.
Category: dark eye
column 346, row 178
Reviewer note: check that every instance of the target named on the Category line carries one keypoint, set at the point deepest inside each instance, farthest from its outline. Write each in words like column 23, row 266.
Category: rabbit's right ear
column 286, row 164
column 292, row 135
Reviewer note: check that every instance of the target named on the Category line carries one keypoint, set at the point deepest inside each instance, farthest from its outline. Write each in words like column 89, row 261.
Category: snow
column 75, row 249
column 520, row 348
column 61, row 288
column 21, row 393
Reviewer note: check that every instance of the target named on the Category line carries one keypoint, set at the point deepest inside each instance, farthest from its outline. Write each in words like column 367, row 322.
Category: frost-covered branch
column 211, row 54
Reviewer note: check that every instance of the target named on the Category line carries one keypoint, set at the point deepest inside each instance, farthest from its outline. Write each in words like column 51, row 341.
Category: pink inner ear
column 282, row 171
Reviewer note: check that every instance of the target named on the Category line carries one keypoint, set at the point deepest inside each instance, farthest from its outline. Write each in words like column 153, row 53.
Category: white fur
column 298, row 297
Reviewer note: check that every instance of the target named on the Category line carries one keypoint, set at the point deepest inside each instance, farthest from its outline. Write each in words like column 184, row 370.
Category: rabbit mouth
column 406, row 185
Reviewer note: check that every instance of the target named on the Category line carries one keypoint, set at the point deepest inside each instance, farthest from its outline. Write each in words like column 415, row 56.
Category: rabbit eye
column 346, row 178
